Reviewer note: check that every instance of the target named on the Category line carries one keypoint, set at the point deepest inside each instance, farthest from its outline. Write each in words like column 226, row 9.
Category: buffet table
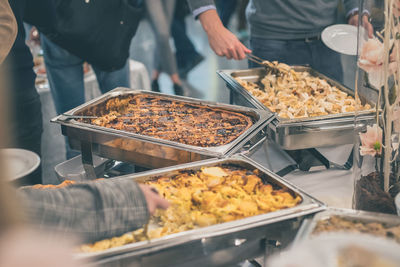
column 174, row 136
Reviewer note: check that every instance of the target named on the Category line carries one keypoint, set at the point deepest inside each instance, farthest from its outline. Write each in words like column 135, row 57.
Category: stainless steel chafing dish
column 214, row 245
column 149, row 151
column 307, row 228
column 302, row 133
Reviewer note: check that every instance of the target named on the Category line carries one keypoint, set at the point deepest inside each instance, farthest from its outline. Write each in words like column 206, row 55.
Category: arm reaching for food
column 92, row 210
column 223, row 42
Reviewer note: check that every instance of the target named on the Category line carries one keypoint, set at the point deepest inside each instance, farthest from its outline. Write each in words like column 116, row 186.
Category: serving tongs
column 269, row 66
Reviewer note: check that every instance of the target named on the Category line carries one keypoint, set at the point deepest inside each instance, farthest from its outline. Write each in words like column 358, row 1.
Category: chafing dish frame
column 308, row 226
column 158, row 152
column 215, row 238
column 301, row 133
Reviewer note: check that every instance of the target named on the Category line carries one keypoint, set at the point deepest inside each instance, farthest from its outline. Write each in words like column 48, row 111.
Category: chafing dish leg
column 271, row 247
column 87, row 160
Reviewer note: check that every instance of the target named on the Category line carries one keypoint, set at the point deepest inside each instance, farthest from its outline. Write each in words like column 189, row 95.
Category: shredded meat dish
column 294, row 94
column 173, row 120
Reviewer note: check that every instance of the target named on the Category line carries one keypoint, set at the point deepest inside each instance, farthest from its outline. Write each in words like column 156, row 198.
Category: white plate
column 342, row 38
column 19, row 162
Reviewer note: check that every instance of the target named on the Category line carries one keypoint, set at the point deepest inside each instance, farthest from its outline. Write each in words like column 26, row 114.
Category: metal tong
column 270, row 67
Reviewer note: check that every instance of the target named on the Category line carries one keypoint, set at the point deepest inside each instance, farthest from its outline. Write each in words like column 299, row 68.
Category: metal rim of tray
column 226, row 75
column 309, row 224
column 307, row 206
column 264, row 118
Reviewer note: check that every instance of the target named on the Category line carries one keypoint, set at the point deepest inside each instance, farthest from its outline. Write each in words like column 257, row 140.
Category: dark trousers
column 26, row 127
column 225, row 9
column 299, row 52
column 185, row 49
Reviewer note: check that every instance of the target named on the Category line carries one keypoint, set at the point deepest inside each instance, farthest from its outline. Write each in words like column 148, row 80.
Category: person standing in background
column 282, row 30
column 8, row 29
column 66, row 79
column 25, row 106
column 225, row 9
column 187, row 56
column 161, row 13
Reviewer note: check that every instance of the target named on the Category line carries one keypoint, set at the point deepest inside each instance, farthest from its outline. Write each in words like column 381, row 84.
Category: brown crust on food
column 177, row 121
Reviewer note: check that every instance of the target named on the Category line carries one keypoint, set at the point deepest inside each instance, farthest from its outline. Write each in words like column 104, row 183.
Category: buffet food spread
column 353, row 255
column 337, row 223
column 206, row 197
column 185, row 123
column 297, row 94
column 126, row 125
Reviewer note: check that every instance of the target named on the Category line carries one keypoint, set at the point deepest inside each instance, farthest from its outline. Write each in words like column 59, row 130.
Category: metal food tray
column 150, row 151
column 301, row 133
column 218, row 244
column 309, row 224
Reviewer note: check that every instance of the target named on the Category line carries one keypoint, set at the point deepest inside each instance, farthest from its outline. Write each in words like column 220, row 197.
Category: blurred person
column 186, row 54
column 8, row 29
column 225, row 9
column 243, row 33
column 18, row 247
column 25, row 105
column 285, row 31
column 161, row 13
column 65, row 74
column 93, row 210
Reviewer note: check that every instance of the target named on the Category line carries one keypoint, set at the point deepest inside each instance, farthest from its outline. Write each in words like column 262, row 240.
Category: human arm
column 92, row 210
column 222, row 41
column 352, row 13
column 8, row 29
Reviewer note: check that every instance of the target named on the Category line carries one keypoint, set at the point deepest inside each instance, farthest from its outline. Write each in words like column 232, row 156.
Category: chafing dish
column 301, row 133
column 308, row 226
column 149, row 151
column 218, row 244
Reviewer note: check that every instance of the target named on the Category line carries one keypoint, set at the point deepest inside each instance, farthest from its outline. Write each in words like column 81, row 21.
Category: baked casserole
column 201, row 198
column 173, row 120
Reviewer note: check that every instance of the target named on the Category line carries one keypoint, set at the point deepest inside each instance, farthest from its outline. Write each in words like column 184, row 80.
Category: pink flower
column 371, row 60
column 371, row 141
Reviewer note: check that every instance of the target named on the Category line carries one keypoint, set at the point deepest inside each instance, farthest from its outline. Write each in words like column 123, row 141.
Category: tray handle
column 332, row 127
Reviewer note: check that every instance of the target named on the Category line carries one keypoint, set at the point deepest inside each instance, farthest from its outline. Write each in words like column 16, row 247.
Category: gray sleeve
column 350, row 5
column 195, row 4
column 92, row 211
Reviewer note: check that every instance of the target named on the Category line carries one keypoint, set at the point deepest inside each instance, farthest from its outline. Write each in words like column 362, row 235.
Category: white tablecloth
column 332, row 186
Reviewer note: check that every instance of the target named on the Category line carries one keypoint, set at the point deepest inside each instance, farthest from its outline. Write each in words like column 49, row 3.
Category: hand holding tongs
column 271, row 68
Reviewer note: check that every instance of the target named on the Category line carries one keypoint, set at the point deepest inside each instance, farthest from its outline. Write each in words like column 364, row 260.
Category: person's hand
column 153, row 199
column 222, row 41
column 353, row 20
column 34, row 36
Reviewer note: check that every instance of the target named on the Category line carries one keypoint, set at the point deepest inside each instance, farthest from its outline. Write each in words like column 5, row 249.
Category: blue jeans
column 299, row 52
column 65, row 75
column 66, row 79
column 225, row 9
column 185, row 50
